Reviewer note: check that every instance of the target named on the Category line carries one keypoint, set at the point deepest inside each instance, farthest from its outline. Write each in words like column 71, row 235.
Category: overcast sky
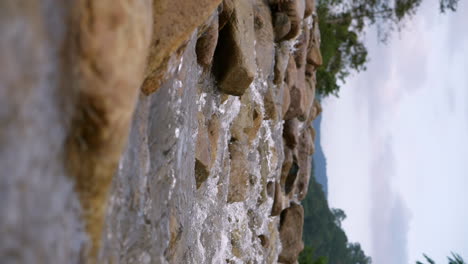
column 396, row 142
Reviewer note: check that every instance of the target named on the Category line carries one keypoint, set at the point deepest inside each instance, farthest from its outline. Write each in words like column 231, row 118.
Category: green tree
column 453, row 259
column 343, row 24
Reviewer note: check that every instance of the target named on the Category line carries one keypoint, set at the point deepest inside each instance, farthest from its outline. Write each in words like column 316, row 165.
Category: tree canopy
column 453, row 259
column 343, row 24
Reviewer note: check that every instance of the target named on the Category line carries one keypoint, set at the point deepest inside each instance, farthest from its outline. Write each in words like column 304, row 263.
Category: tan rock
column 264, row 36
column 286, row 100
column 202, row 152
column 281, row 63
column 314, row 56
column 248, row 121
column 301, row 46
column 291, row 73
column 292, row 10
column 239, row 175
column 278, row 201
column 234, row 57
column 292, row 221
column 291, row 132
column 109, row 50
column 226, row 10
column 174, row 22
column 299, row 98
column 282, row 25
column 305, row 148
column 206, row 44
column 309, row 8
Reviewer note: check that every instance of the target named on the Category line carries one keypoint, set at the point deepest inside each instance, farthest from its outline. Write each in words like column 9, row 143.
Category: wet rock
column 174, row 22
column 239, row 175
column 291, row 224
column 206, row 44
column 234, row 62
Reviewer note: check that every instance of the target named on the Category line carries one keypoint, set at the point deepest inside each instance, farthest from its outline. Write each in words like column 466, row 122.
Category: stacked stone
column 93, row 65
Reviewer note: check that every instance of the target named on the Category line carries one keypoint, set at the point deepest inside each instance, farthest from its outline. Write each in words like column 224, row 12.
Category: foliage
column 323, row 236
column 343, row 24
column 453, row 259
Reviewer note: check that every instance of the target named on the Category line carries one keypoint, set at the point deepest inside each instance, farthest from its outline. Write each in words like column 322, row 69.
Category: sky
column 396, row 142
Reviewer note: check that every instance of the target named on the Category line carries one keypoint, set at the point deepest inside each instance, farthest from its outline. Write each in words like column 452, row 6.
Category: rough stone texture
column 181, row 172
column 291, row 233
column 173, row 24
column 234, row 57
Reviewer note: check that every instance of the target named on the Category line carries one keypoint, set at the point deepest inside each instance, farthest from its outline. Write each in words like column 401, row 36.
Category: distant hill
column 319, row 161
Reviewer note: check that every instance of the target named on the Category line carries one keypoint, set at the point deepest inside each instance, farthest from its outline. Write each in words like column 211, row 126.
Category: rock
column 314, row 56
column 281, row 63
column 282, row 26
column 248, row 121
column 234, row 61
column 291, row 224
column 292, row 10
column 305, row 148
column 298, row 106
column 202, row 152
column 227, row 8
column 270, row 188
column 291, row 73
column 291, row 132
column 278, row 201
column 174, row 22
column 271, row 112
column 309, row 8
column 206, row 44
column 264, row 36
column 300, row 53
column 239, row 175
column 213, row 134
column 286, row 100
column 264, row 241
column 107, row 76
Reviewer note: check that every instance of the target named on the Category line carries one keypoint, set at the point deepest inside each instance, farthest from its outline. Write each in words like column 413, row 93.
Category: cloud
column 389, row 215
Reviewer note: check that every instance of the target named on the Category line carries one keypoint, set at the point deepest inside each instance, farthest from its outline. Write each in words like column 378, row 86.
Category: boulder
column 292, row 8
column 206, row 44
column 234, row 60
column 305, row 148
column 309, row 8
column 291, row 133
column 281, row 63
column 299, row 98
column 291, row 225
column 301, row 46
column 282, row 25
column 314, row 56
column 173, row 24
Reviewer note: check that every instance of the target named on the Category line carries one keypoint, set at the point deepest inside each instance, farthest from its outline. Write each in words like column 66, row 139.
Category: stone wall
column 155, row 131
